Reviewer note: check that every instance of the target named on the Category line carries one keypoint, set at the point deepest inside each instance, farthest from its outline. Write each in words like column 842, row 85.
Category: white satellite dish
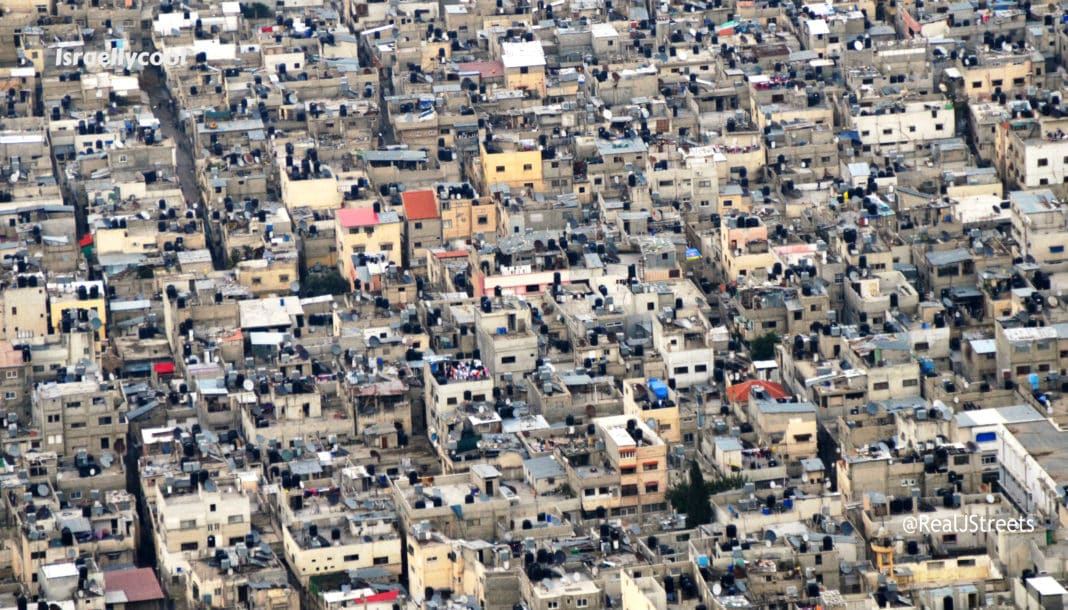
column 717, row 589
column 990, row 498
column 248, row 385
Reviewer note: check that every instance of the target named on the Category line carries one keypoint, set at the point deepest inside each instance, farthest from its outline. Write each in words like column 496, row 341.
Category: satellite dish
column 248, row 385
column 717, row 589
column 847, row 528
column 335, row 350
column 1052, row 300
column 287, row 455
column 770, row 536
column 858, row 45
column 804, row 536
column 947, row 415
column 872, row 408
column 294, row 287
column 42, row 490
column 96, row 323
column 847, row 567
column 990, row 498
column 13, row 450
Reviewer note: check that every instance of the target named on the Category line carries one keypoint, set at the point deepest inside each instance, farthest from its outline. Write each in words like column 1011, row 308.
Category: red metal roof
column 485, row 69
column 388, row 596
column 451, row 254
column 740, row 391
column 351, row 218
column 139, row 585
column 419, row 205
column 164, row 368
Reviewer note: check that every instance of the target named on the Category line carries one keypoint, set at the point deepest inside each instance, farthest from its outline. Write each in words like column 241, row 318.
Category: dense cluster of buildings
column 444, row 305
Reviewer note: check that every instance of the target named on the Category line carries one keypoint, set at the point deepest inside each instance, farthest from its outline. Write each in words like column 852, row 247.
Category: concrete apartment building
column 627, row 477
column 80, row 416
column 1038, row 226
column 192, row 518
column 505, row 335
column 683, row 337
column 744, row 247
column 452, row 388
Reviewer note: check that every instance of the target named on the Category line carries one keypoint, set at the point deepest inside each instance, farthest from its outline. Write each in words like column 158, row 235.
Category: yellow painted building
column 90, row 296
column 524, row 66
column 314, row 193
column 429, row 563
column 267, row 276
column 517, row 169
column 462, row 219
column 367, row 231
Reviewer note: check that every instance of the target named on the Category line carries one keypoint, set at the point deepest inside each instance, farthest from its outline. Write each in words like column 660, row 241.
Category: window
column 418, row 225
column 912, row 129
column 188, row 524
column 1043, row 162
column 381, row 561
column 990, row 459
column 961, row 460
column 648, row 466
column 939, row 126
column 949, row 538
column 190, row 546
column 976, row 84
column 625, row 470
column 235, row 519
column 104, row 421
column 527, row 167
column 508, row 360
column 483, row 220
column 552, row 605
column 524, row 70
column 881, row 385
column 77, row 425
column 910, row 383
column 682, row 370
column 1023, row 370
column 500, row 169
column 283, row 277
column 105, row 443
column 582, row 602
column 887, row 131
column 700, row 368
column 354, row 557
column 1056, row 249
column 211, row 507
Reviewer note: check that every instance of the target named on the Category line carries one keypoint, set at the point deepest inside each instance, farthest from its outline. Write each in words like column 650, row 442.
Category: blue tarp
column 850, row 134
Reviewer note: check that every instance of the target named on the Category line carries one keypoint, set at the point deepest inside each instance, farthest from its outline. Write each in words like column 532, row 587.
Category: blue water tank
column 659, row 388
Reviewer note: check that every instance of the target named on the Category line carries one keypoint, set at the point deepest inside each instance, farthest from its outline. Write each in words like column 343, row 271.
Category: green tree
column 256, row 10
column 763, row 348
column 319, row 284
column 698, row 509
